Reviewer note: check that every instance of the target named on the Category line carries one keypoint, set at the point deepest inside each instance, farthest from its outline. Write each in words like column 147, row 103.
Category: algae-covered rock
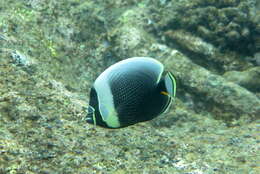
column 204, row 53
column 225, row 94
column 51, row 52
column 230, row 25
column 257, row 58
column 248, row 79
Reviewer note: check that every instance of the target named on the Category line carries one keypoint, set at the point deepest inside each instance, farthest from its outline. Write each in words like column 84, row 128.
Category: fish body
column 131, row 91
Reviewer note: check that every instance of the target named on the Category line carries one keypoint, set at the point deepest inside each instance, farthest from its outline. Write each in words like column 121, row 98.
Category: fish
column 130, row 91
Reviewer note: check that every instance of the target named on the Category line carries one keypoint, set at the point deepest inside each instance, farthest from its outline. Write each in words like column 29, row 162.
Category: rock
column 42, row 113
column 233, row 35
column 221, row 23
column 248, row 79
column 205, row 53
column 229, row 97
column 191, row 43
column 257, row 58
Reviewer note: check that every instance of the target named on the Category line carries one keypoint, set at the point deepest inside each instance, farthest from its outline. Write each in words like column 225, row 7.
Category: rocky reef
column 229, row 25
column 51, row 52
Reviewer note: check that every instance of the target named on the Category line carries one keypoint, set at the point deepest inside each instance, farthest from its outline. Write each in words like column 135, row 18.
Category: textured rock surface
column 229, row 97
column 230, row 25
column 248, row 79
column 51, row 51
column 205, row 54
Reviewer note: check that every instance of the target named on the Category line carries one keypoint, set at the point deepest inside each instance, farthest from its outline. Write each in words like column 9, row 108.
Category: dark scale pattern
column 132, row 91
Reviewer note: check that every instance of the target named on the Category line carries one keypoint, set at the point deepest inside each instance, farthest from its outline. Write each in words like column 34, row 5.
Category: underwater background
column 52, row 51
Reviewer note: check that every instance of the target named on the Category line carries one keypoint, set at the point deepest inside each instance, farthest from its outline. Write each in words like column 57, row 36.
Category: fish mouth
column 91, row 118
